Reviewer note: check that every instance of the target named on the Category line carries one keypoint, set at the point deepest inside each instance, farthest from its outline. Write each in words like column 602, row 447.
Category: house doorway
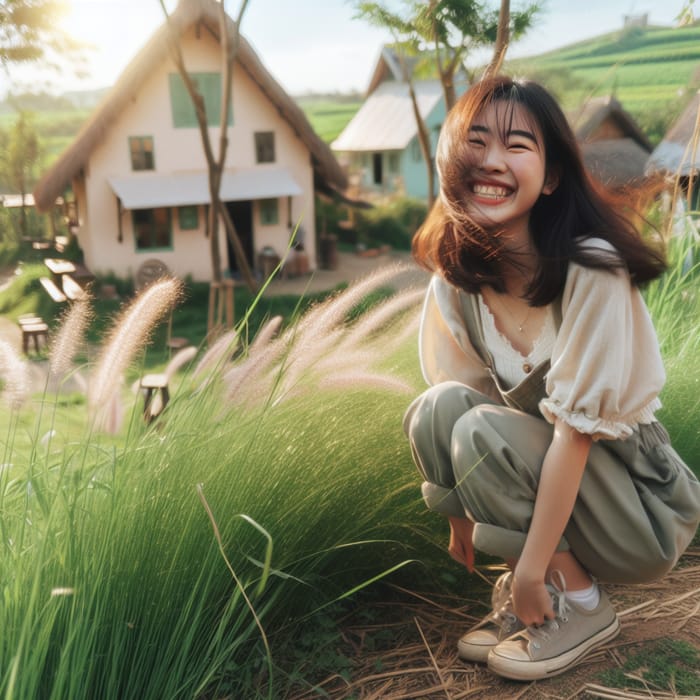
column 377, row 171
column 241, row 214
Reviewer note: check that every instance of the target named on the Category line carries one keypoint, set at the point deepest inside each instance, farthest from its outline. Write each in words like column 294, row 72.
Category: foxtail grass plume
column 70, row 336
column 130, row 334
column 14, row 374
column 324, row 349
column 218, row 354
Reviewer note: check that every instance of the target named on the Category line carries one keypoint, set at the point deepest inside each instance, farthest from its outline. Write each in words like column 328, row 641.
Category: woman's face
column 508, row 174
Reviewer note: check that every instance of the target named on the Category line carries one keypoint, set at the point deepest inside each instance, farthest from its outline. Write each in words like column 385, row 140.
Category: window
column 188, row 218
column 416, row 153
column 141, row 150
column 393, row 163
column 265, row 146
column 152, row 228
column 269, row 212
column 182, row 109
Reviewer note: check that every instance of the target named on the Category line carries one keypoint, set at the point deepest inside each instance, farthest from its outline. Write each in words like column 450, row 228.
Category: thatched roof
column 327, row 172
column 588, row 119
column 615, row 162
column 679, row 150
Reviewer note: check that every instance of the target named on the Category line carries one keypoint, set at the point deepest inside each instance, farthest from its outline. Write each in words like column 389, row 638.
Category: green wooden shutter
column 182, row 109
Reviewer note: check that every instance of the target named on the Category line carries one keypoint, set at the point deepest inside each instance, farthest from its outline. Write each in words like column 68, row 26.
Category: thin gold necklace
column 521, row 325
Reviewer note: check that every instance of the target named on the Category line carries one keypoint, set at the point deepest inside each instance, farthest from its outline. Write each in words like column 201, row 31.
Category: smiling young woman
column 538, row 434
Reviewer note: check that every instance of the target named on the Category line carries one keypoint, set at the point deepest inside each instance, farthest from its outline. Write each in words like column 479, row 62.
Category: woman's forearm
column 560, row 479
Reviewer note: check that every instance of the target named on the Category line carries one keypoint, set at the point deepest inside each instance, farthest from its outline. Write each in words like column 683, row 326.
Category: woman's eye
column 476, row 142
column 517, row 146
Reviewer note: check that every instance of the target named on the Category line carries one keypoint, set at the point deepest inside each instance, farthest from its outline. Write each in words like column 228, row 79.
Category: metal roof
column 385, row 122
column 148, row 190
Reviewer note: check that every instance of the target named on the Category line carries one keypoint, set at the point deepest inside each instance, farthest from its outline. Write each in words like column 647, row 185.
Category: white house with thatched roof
column 139, row 174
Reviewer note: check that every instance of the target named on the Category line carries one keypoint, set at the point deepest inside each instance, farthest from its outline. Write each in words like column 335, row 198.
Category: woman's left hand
column 532, row 602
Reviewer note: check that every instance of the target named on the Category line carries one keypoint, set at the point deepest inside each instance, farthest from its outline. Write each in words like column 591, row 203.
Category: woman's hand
column 460, row 547
column 532, row 602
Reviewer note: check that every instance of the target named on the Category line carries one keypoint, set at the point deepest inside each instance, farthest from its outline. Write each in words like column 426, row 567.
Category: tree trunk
column 502, row 41
column 215, row 166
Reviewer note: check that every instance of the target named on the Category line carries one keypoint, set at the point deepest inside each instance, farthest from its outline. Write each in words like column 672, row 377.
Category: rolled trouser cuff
column 442, row 500
column 503, row 543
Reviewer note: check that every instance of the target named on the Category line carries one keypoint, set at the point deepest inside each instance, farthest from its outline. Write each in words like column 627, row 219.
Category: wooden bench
column 71, row 288
column 34, row 331
column 54, row 292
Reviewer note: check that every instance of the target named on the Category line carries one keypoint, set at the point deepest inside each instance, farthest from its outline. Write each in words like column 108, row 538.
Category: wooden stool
column 33, row 331
column 152, row 384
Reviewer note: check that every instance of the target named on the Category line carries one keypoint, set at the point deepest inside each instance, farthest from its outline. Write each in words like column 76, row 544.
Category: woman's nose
column 493, row 158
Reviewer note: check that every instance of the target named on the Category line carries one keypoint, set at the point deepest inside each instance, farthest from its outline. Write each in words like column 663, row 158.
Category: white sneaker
column 557, row 645
column 500, row 623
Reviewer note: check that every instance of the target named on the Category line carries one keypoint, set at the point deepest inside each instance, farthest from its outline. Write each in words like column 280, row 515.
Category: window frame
column 269, row 211
column 153, row 233
column 265, row 149
column 142, row 153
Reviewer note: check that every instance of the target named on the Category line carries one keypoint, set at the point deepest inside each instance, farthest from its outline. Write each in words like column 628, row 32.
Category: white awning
column 148, row 190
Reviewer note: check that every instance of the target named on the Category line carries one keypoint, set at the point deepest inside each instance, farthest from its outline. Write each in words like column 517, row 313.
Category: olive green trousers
column 637, row 508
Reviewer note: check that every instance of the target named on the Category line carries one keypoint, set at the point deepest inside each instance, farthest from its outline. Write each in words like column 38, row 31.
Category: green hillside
column 653, row 71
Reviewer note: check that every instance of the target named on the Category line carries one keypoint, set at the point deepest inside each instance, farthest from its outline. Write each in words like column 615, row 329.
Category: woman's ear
column 551, row 182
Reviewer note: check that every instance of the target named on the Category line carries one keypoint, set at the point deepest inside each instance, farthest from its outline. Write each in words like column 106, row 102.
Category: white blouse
column 508, row 362
column 606, row 369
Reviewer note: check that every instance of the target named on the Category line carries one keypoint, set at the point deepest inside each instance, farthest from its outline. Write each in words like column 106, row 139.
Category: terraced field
column 652, row 71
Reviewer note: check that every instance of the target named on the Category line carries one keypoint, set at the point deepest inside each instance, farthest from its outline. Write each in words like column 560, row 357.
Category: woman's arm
column 560, row 479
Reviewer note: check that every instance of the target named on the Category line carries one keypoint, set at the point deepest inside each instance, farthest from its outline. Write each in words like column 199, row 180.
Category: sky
column 307, row 45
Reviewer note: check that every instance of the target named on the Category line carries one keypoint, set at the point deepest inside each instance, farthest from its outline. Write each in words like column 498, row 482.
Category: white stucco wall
column 177, row 150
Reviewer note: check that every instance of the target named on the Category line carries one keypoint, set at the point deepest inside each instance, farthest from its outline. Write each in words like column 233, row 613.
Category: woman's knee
column 439, row 407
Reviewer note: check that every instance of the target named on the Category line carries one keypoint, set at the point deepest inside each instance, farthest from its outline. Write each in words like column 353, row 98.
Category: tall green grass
column 159, row 563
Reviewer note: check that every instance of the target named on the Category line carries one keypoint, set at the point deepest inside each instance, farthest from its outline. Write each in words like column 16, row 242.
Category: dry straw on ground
column 420, row 660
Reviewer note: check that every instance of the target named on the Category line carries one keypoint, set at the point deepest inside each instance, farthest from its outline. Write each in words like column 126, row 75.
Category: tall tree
column 21, row 160
column 216, row 161
column 30, row 31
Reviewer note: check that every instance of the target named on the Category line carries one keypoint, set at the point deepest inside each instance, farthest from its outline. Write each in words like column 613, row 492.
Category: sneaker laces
column 542, row 633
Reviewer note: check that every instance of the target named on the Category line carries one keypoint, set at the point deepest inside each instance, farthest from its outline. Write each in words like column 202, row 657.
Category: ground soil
column 421, row 661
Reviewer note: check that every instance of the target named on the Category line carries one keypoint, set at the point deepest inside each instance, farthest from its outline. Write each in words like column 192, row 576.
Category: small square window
column 269, row 212
column 141, row 150
column 152, row 228
column 265, row 146
column 188, row 218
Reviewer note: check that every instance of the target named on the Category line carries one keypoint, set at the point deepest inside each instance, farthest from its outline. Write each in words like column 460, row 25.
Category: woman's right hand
column 460, row 547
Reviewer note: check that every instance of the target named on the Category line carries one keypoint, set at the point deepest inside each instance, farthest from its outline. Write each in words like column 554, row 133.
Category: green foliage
column 30, row 29
column 393, row 223
column 666, row 665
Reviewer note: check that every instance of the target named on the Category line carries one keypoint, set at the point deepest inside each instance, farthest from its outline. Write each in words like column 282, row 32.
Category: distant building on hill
column 641, row 20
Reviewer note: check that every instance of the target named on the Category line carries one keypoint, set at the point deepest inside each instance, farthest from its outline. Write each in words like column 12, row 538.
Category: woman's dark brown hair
column 578, row 209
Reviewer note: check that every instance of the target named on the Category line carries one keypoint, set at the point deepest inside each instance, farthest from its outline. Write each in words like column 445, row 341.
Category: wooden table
column 58, row 267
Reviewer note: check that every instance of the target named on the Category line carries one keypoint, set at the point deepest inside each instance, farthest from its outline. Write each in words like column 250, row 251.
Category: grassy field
column 328, row 116
column 652, row 71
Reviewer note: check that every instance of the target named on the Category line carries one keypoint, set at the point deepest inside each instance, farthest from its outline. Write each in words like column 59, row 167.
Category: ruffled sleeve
column 446, row 353
column 607, row 370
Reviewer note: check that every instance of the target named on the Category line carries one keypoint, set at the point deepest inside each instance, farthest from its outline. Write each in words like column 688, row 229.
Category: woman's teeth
column 490, row 191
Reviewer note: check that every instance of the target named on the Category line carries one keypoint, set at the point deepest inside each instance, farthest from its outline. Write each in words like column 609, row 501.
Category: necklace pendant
column 520, row 328
column 527, row 367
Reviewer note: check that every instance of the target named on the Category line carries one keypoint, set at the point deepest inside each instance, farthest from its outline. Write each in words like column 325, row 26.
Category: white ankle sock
column 587, row 598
